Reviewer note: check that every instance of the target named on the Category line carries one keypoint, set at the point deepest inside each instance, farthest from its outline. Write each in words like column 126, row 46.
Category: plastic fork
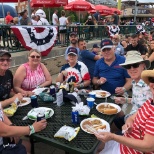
column 90, row 128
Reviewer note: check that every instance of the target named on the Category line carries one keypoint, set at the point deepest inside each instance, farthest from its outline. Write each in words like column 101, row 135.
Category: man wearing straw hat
column 134, row 65
column 139, row 128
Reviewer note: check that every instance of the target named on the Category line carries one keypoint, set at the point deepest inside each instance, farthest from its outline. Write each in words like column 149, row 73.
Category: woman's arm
column 47, row 76
column 19, row 76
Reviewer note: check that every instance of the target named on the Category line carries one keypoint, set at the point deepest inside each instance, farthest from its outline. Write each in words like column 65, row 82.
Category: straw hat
column 146, row 74
column 133, row 57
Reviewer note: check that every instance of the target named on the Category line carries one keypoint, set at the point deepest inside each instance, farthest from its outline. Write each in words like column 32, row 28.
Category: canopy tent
column 5, row 8
column 48, row 3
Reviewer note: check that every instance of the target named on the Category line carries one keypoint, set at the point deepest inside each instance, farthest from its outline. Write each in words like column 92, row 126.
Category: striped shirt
column 33, row 78
column 143, row 123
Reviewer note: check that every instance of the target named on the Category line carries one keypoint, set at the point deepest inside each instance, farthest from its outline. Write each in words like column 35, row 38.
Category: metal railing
column 10, row 42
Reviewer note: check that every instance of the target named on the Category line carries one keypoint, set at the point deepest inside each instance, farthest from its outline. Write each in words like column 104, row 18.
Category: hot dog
column 100, row 127
column 110, row 111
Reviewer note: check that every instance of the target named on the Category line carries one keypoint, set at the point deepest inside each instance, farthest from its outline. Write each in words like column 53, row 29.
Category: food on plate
column 107, row 109
column 103, row 94
column 93, row 125
column 23, row 101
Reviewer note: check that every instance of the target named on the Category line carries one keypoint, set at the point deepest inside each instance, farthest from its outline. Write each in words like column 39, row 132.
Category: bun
column 107, row 109
column 103, row 94
column 23, row 101
column 100, row 127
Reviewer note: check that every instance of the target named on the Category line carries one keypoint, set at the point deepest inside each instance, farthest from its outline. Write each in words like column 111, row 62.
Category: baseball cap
column 72, row 50
column 106, row 43
column 73, row 33
column 4, row 52
column 95, row 46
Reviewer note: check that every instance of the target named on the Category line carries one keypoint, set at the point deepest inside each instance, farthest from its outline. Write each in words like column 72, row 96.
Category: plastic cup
column 90, row 102
column 92, row 94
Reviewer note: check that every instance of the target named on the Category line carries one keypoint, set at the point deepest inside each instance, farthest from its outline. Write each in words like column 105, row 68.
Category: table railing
column 10, row 42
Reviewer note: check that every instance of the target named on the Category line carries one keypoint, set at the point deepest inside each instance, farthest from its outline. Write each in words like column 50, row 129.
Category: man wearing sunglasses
column 134, row 65
column 108, row 74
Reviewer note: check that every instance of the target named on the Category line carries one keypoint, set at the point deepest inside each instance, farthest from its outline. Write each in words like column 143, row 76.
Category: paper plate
column 99, row 96
column 103, row 122
column 27, row 101
column 37, row 91
column 32, row 114
column 111, row 104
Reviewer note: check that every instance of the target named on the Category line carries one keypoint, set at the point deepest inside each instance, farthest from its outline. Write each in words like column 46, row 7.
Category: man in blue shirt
column 87, row 57
column 108, row 74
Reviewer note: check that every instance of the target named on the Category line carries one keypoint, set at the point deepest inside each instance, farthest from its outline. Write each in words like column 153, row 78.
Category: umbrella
column 79, row 5
column 48, row 3
column 115, row 9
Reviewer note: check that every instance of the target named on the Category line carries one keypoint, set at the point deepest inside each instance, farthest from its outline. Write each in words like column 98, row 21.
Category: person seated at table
column 8, row 129
column 31, row 75
column 134, row 65
column 74, row 70
column 6, row 77
column 108, row 74
column 139, row 128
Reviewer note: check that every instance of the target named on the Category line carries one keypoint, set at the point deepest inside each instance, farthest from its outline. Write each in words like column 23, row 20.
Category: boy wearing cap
column 134, row 65
column 139, row 128
column 73, row 43
column 108, row 74
column 74, row 71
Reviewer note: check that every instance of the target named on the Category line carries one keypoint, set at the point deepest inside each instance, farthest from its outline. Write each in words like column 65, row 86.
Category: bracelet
column 32, row 130
column 124, row 89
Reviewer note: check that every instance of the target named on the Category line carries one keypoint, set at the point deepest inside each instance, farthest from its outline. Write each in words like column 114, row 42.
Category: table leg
column 32, row 145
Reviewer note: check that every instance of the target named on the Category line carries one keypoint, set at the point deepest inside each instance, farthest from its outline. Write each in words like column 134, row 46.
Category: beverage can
column 34, row 102
column 40, row 117
column 52, row 90
column 75, row 117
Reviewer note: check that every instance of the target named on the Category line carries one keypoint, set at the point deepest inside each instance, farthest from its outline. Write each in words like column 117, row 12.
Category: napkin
column 82, row 109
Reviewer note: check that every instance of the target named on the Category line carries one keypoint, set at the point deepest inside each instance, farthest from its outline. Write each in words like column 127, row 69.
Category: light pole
column 136, row 9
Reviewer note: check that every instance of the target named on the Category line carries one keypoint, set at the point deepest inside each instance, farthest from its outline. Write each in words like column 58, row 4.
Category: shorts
column 63, row 31
column 119, row 122
column 111, row 147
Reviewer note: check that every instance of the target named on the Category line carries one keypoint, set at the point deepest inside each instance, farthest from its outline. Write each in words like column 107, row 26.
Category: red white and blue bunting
column 41, row 38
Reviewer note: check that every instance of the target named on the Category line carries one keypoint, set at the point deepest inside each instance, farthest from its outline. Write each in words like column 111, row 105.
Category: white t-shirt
column 43, row 21
column 34, row 22
column 62, row 23
column 54, row 16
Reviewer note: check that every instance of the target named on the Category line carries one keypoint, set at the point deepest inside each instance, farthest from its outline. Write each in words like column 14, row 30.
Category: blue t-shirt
column 87, row 58
column 67, row 50
column 114, row 73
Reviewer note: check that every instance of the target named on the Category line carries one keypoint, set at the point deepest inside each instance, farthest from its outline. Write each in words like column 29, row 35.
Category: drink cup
column 34, row 102
column 92, row 94
column 90, row 102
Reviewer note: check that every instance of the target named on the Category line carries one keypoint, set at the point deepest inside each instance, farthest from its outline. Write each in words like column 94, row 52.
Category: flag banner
column 140, row 29
column 113, row 29
column 41, row 38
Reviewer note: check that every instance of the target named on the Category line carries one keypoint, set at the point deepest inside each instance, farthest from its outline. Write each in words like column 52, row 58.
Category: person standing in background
column 115, row 18
column 55, row 18
column 25, row 20
column 97, row 15
column 8, row 18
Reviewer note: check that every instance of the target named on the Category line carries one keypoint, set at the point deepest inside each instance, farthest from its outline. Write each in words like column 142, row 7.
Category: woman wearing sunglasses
column 139, row 128
column 31, row 75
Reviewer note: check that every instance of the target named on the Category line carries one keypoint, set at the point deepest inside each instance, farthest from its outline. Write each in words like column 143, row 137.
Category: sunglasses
column 2, row 60
column 35, row 57
column 106, row 49
column 136, row 65
column 151, row 79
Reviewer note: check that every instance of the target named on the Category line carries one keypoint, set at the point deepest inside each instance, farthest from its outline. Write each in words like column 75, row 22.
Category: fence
column 10, row 42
